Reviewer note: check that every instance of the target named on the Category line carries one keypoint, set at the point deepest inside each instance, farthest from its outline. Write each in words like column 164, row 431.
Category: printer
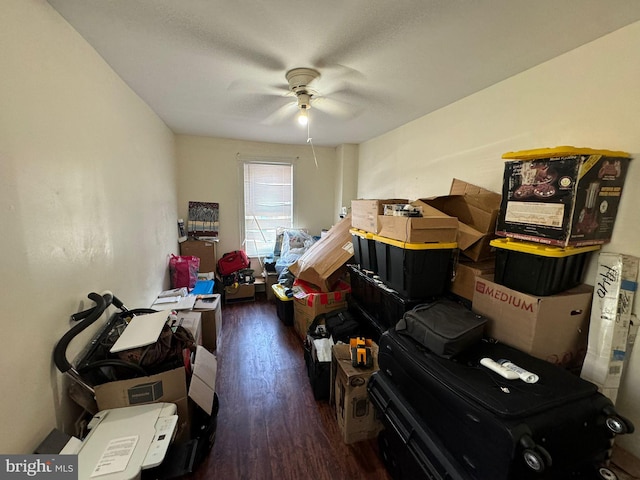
column 124, row 441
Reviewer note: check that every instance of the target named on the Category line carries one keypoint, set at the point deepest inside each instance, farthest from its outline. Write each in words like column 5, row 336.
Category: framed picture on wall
column 204, row 219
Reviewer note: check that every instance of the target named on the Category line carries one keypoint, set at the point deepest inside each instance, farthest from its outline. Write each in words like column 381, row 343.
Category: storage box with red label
column 464, row 279
column 562, row 196
column 554, row 328
column 309, row 302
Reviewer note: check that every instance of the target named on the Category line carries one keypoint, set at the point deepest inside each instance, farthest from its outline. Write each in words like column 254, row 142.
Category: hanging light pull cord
column 310, row 142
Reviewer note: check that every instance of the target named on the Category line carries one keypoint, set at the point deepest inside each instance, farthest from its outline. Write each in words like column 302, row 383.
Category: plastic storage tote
column 284, row 304
column 364, row 249
column 539, row 269
column 415, row 270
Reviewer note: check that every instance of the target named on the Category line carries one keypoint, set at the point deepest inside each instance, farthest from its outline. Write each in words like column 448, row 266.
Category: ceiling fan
column 302, row 82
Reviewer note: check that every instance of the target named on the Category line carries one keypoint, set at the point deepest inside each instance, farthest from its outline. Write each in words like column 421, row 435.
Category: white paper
column 116, row 456
column 142, row 330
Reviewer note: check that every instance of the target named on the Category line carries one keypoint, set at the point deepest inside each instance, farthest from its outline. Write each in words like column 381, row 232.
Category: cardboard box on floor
column 309, row 302
column 433, row 226
column 553, row 328
column 324, row 263
column 169, row 386
column 204, row 250
column 210, row 310
column 365, row 213
column 476, row 210
column 356, row 415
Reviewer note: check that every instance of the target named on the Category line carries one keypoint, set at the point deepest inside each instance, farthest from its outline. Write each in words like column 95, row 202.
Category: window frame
column 276, row 161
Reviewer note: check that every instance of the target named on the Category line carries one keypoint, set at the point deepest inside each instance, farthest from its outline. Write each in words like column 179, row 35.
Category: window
column 268, row 204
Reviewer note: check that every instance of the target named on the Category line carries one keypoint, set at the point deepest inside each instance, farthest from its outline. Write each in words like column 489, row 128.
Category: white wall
column 588, row 97
column 87, row 203
column 208, row 172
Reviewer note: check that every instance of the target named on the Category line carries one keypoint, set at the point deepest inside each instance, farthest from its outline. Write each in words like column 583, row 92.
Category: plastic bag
column 184, row 271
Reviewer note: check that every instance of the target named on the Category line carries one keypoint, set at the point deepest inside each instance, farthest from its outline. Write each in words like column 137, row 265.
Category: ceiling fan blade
column 253, row 87
column 281, row 114
column 335, row 108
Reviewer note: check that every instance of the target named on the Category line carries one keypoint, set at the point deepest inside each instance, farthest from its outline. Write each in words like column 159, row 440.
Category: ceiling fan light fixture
column 303, row 116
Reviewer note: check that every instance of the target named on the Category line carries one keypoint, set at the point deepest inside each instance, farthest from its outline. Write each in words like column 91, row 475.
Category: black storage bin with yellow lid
column 284, row 304
column 539, row 269
column 415, row 270
column 381, row 303
column 364, row 249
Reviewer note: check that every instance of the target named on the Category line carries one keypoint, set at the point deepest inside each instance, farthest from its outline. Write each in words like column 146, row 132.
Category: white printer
column 124, row 441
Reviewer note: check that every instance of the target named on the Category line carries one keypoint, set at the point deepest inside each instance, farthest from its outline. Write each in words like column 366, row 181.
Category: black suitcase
column 408, row 448
column 504, row 429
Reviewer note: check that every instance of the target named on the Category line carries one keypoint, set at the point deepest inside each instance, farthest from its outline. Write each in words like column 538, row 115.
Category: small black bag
column 445, row 327
column 341, row 325
column 319, row 373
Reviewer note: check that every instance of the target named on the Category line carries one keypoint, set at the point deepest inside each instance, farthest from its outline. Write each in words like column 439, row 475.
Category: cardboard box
column 242, row 292
column 553, row 328
column 309, row 302
column 356, row 415
column 303, row 315
column 466, row 272
column 324, row 263
column 204, row 250
column 203, row 380
column 169, row 386
column 562, row 196
column 365, row 213
column 271, row 279
column 615, row 288
column 433, row 226
column 210, row 310
column 192, row 321
column 477, row 211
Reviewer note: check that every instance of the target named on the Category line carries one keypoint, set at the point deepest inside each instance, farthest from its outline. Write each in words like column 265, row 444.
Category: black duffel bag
column 445, row 327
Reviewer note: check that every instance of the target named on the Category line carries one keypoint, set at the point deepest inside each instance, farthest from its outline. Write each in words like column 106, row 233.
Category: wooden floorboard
column 269, row 424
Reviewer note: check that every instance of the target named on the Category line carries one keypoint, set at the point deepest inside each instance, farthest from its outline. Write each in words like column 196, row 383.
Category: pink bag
column 184, row 271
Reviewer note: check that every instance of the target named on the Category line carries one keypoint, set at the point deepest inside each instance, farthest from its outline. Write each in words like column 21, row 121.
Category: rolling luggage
column 232, row 262
column 503, row 429
column 409, row 449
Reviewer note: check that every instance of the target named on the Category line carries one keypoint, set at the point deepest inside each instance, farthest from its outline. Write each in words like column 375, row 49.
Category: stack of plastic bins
column 364, row 250
column 415, row 270
column 383, row 306
column 539, row 269
column 284, row 304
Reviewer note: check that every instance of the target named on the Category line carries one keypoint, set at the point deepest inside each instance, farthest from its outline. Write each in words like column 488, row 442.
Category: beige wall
column 588, row 97
column 87, row 203
column 209, row 172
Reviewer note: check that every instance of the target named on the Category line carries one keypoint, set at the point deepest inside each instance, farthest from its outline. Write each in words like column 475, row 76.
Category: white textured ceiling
column 217, row 67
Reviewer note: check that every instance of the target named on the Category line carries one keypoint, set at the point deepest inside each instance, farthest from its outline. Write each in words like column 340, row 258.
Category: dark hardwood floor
column 269, row 425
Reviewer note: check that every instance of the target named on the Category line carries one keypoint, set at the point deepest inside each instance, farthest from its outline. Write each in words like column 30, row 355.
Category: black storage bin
column 319, row 373
column 539, row 269
column 284, row 304
column 415, row 270
column 381, row 303
column 364, row 249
